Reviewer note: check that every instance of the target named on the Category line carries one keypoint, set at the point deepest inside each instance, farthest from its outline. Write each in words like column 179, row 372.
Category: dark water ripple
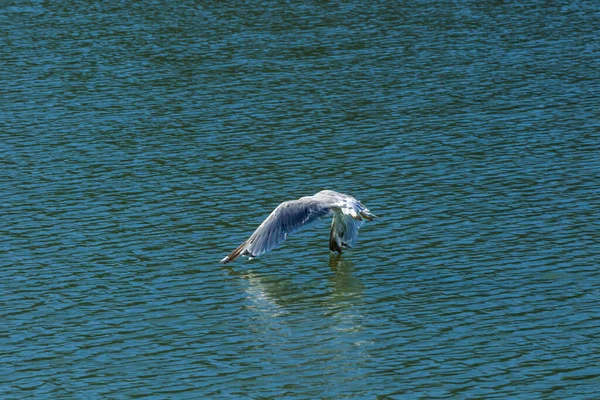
column 142, row 142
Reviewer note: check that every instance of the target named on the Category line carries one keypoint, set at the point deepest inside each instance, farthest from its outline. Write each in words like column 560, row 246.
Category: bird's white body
column 289, row 216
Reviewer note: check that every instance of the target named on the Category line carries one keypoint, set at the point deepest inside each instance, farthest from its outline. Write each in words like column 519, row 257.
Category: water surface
column 140, row 143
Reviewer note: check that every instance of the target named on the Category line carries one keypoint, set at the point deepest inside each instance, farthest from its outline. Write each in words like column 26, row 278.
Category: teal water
column 141, row 142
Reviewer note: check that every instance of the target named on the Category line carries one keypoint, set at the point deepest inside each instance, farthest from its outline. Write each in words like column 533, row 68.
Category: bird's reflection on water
column 308, row 286
column 345, row 285
column 310, row 303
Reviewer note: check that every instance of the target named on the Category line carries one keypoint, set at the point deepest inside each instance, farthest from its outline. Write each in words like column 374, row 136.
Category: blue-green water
column 142, row 141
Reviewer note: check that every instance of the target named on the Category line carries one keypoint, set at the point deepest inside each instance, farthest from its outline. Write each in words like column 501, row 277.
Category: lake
column 141, row 142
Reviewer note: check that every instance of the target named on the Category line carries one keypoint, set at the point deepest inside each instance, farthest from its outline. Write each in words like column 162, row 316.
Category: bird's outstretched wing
column 286, row 218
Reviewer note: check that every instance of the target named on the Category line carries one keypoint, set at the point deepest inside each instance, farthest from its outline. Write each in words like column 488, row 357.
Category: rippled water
column 141, row 142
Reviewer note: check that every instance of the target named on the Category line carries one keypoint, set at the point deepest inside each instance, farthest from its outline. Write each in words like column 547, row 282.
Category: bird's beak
column 368, row 215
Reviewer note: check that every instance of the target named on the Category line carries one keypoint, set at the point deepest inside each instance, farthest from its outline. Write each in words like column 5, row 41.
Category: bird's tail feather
column 234, row 254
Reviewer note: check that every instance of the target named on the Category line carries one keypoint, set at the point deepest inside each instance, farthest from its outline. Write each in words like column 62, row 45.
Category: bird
column 289, row 216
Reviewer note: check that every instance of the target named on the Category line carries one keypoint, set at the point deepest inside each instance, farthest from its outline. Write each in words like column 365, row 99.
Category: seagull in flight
column 289, row 216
